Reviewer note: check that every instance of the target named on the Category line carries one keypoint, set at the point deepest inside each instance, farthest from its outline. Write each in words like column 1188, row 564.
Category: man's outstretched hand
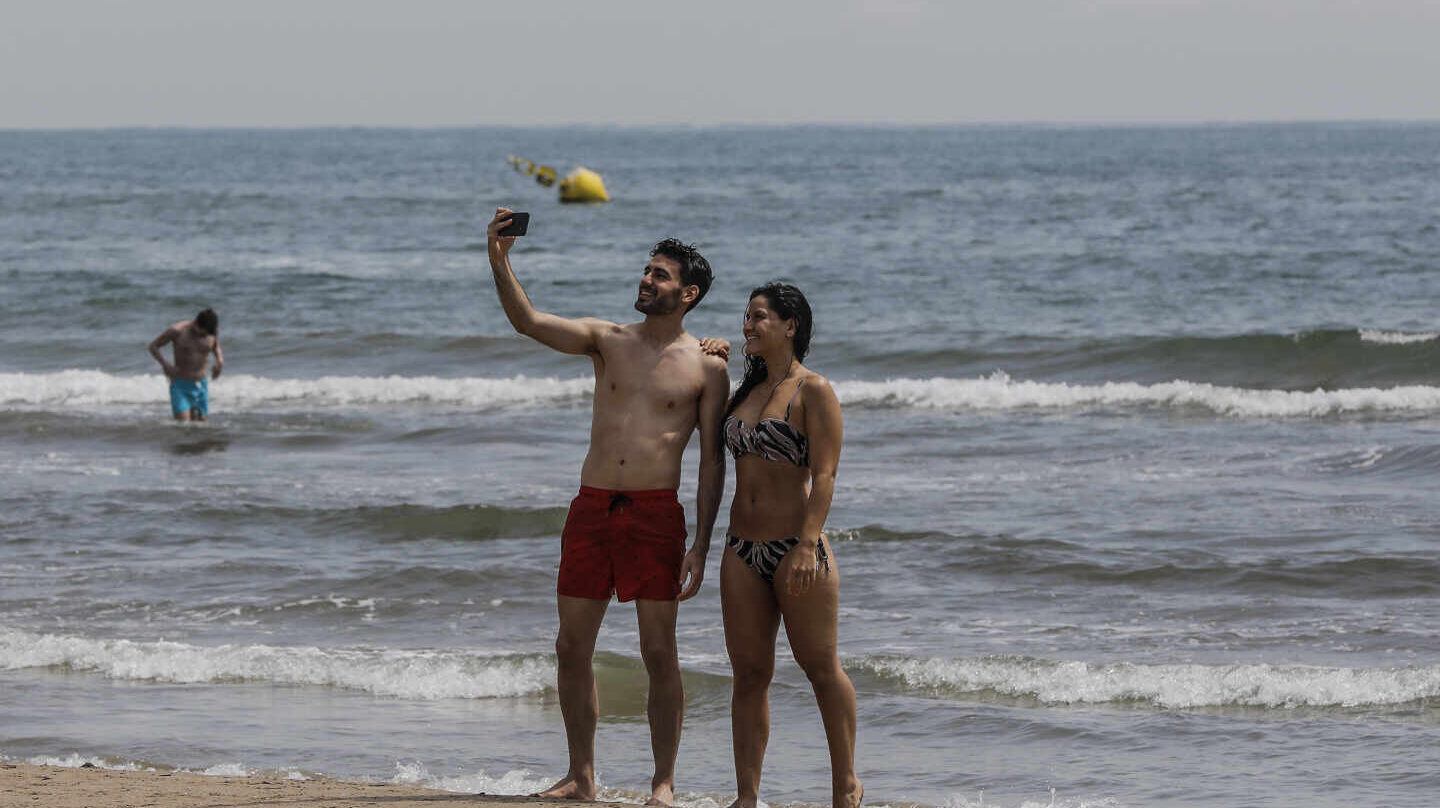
column 492, row 232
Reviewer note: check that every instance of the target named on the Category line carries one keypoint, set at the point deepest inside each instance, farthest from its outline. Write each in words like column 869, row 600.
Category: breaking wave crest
column 94, row 388
column 1173, row 686
column 999, row 392
column 995, row 392
column 410, row 674
column 1396, row 337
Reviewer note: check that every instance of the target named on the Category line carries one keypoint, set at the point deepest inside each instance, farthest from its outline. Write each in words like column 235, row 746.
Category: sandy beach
column 61, row 787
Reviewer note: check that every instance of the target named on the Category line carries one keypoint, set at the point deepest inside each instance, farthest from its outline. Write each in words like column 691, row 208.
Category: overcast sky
column 467, row 62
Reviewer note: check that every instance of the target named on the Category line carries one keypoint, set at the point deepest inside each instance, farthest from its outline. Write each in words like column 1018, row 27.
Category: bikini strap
column 793, row 395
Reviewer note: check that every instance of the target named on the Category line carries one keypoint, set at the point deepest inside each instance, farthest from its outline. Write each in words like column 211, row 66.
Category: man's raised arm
column 567, row 336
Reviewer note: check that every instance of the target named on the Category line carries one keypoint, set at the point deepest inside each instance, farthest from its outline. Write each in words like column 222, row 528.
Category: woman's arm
column 824, row 426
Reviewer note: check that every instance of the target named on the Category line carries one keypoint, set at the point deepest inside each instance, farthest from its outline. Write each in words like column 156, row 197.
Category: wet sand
column 59, row 787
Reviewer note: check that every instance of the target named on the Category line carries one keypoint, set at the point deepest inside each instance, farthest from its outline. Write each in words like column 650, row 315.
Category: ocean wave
column 458, row 522
column 1396, row 337
column 1171, row 686
column 1329, row 575
column 1329, row 358
column 1381, row 460
column 94, row 388
column 409, row 674
column 998, row 392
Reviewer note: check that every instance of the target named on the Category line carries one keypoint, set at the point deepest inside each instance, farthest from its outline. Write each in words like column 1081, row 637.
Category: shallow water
column 1135, row 506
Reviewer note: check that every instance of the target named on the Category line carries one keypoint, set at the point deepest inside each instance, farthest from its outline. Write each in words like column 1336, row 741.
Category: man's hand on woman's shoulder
column 715, row 346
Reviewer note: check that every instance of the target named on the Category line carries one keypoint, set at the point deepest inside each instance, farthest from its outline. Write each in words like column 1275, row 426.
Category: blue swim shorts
column 188, row 395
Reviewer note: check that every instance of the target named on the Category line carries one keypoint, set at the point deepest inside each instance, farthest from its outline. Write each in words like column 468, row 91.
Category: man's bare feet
column 571, row 788
column 853, row 796
column 662, row 795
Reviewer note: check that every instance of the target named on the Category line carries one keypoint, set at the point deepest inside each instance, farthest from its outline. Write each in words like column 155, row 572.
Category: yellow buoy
column 583, row 185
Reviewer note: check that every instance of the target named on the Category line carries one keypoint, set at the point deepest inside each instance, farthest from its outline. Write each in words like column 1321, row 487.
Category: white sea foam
column 1395, row 337
column 999, row 392
column 75, row 760
column 983, row 799
column 518, row 782
column 226, row 770
column 410, row 674
column 1171, row 686
column 95, row 389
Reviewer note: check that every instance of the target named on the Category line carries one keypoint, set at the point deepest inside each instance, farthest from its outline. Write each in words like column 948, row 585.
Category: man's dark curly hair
column 209, row 322
column 694, row 269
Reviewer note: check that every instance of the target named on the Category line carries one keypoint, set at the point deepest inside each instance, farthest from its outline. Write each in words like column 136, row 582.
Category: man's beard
column 657, row 304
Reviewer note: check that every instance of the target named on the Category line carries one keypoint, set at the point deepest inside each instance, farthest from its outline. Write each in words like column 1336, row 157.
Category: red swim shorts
column 627, row 542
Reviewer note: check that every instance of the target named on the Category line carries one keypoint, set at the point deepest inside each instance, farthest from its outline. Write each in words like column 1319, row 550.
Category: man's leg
column 200, row 407
column 179, row 407
column 579, row 704
column 666, row 703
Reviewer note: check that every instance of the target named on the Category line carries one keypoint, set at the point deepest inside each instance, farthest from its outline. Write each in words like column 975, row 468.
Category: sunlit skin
column 775, row 500
column 654, row 386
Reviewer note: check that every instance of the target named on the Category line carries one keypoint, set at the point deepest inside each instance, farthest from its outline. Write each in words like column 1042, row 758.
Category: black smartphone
column 519, row 223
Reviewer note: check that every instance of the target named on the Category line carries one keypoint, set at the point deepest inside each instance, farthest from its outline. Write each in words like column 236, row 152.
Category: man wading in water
column 194, row 341
column 654, row 385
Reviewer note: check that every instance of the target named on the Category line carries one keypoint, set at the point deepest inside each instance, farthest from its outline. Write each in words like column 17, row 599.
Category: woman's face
column 765, row 331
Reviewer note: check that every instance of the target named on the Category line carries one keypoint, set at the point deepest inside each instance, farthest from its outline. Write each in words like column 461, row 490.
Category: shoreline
column 28, row 784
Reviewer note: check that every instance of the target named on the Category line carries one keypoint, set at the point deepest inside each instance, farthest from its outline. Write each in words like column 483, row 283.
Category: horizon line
column 837, row 124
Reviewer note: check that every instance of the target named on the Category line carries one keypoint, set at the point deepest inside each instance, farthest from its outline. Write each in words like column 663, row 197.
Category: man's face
column 660, row 289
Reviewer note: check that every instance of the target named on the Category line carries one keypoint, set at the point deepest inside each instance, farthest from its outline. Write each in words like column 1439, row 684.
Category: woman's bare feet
column 571, row 788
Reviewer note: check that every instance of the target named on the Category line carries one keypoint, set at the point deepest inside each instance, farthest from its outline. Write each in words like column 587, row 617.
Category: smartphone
column 519, row 223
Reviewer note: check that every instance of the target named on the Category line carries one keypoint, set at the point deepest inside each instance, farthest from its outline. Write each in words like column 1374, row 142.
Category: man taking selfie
column 625, row 533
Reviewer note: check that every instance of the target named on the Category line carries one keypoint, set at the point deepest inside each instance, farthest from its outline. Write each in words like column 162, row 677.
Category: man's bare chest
column 193, row 345
column 661, row 385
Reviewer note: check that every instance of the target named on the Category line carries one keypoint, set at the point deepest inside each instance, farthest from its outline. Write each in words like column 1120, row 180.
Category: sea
column 1137, row 504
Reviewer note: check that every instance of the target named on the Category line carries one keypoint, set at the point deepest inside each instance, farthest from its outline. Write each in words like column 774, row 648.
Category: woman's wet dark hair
column 789, row 303
column 209, row 322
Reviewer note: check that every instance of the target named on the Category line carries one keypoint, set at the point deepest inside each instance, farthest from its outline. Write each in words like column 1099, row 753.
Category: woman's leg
column 812, row 626
column 751, row 622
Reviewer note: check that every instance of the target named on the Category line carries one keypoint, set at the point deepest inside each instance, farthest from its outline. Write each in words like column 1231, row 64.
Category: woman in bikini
column 783, row 426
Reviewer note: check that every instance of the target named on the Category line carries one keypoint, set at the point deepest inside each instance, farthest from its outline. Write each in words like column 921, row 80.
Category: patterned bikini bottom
column 764, row 556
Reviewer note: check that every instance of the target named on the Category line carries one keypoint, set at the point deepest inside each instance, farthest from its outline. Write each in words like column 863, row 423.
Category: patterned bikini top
column 770, row 438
